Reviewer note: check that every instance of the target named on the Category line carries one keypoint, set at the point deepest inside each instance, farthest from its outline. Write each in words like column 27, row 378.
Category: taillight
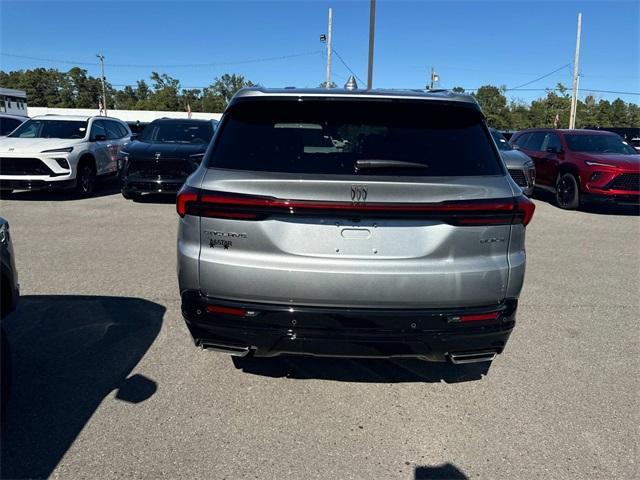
column 503, row 211
column 186, row 196
column 525, row 208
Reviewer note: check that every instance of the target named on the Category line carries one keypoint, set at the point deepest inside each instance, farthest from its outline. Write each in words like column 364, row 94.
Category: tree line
column 553, row 110
column 77, row 89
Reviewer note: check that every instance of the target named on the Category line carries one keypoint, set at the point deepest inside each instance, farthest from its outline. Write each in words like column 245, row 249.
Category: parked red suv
column 581, row 166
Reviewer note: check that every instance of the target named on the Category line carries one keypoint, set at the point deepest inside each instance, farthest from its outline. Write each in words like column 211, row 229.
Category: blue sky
column 470, row 43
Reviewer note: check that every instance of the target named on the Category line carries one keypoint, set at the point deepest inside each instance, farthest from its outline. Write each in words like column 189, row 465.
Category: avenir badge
column 222, row 239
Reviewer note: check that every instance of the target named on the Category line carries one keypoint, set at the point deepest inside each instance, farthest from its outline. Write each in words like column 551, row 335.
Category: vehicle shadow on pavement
column 399, row 370
column 102, row 190
column 67, row 354
column 440, row 472
column 594, row 208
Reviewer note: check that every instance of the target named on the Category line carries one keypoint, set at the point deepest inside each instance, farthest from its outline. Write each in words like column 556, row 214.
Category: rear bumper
column 271, row 330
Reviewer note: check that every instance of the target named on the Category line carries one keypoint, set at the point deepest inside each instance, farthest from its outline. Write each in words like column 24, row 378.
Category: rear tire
column 567, row 191
column 85, row 179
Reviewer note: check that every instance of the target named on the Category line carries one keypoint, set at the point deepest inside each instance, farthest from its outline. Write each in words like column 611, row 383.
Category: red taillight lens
column 186, row 196
column 220, row 310
column 526, row 208
column 503, row 211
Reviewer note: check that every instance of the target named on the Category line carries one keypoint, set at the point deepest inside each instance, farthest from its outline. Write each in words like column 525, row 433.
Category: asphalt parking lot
column 107, row 383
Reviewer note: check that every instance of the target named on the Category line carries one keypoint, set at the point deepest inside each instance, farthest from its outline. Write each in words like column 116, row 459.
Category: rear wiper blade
column 373, row 163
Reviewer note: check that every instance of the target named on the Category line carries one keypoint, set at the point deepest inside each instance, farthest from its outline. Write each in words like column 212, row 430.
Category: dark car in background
column 519, row 164
column 631, row 135
column 580, row 166
column 10, row 291
column 164, row 155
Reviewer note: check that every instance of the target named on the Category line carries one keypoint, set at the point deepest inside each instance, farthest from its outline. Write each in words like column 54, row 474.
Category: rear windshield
column 342, row 137
column 177, row 132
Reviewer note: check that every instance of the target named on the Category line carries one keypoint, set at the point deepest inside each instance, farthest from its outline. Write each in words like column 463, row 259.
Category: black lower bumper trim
column 270, row 330
column 147, row 185
column 36, row 184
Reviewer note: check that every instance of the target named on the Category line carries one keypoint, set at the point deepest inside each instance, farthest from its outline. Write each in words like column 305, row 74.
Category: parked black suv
column 166, row 153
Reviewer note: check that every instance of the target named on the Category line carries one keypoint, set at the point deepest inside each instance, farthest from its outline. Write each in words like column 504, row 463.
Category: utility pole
column 104, row 90
column 434, row 79
column 372, row 26
column 576, row 60
column 328, row 82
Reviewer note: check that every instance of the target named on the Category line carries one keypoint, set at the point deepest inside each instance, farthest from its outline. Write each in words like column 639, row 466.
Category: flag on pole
column 556, row 121
column 100, row 106
column 188, row 110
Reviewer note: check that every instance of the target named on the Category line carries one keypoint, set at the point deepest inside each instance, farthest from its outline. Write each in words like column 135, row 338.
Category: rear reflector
column 220, row 310
column 501, row 211
column 478, row 317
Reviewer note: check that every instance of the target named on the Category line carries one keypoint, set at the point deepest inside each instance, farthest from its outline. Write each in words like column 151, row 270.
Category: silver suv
column 352, row 223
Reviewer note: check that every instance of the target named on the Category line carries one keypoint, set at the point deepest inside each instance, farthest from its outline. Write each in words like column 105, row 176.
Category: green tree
column 587, row 112
column 494, row 105
column 603, row 117
column 227, row 85
column 166, row 93
column 619, row 116
column 634, row 115
column 543, row 111
column 518, row 118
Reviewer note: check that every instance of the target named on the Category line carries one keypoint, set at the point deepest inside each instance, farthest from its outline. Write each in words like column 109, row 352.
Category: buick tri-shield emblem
column 358, row 193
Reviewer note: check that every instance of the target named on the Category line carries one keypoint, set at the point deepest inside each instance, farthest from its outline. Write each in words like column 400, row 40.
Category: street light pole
column 328, row 82
column 576, row 60
column 372, row 26
column 104, row 90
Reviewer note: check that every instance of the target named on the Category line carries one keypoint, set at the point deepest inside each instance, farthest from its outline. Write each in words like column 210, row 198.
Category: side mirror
column 99, row 138
column 554, row 150
column 515, row 147
column 134, row 136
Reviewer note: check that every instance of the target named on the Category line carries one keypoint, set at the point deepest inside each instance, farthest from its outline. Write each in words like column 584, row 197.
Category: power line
column 176, row 65
column 40, row 59
column 540, row 78
column 347, row 66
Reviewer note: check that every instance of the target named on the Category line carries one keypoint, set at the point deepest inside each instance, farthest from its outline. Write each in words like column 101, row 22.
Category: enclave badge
column 359, row 193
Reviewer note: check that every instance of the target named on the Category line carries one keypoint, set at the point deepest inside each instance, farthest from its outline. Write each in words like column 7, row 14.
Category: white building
column 142, row 116
column 13, row 101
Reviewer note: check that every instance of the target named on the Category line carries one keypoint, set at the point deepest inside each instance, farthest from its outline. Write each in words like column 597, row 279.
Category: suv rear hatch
column 354, row 203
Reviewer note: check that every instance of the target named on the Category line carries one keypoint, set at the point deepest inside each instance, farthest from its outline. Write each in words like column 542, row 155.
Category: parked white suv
column 61, row 151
